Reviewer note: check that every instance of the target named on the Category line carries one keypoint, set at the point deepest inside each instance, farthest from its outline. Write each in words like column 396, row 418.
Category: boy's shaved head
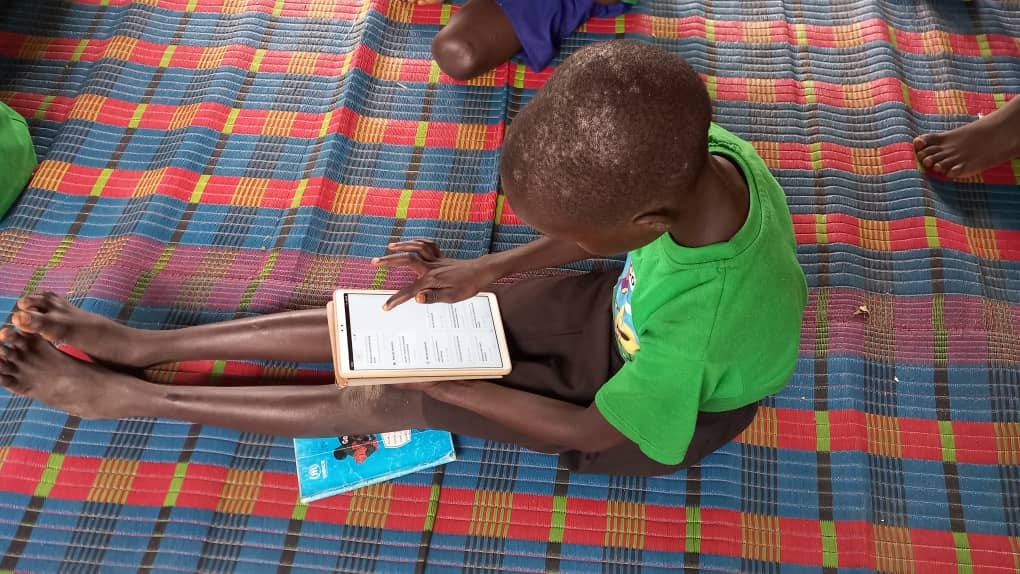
column 618, row 127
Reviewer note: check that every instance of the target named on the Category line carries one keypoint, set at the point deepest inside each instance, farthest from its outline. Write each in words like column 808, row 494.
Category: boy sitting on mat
column 640, row 374
column 486, row 33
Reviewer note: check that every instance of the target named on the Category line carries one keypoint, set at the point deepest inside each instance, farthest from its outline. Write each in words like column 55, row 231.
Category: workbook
column 415, row 342
column 332, row 465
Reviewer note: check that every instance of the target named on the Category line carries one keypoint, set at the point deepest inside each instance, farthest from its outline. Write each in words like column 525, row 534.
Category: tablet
column 414, row 341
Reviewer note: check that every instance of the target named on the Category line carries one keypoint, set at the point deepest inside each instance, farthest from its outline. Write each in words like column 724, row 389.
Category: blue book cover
column 331, row 465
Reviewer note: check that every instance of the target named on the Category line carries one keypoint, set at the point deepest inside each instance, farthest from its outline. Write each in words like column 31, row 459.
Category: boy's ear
column 656, row 220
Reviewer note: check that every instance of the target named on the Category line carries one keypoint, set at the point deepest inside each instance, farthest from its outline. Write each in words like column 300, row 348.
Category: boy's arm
column 544, row 420
column 538, row 254
column 446, row 280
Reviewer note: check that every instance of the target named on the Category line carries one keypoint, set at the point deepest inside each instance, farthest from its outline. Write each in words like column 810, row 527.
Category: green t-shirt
column 711, row 328
column 17, row 157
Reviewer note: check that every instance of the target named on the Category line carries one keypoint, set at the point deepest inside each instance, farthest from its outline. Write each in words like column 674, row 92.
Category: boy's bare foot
column 975, row 147
column 56, row 320
column 32, row 367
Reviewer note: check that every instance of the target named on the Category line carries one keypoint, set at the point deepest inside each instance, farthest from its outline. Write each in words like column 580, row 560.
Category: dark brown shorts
column 560, row 334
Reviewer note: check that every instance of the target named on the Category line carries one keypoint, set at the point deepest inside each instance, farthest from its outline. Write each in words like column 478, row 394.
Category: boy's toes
column 920, row 142
column 44, row 324
column 7, row 368
column 12, row 345
column 955, row 171
column 946, row 166
column 28, row 321
column 43, row 302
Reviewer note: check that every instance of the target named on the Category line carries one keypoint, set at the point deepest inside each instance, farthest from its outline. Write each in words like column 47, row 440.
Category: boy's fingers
column 402, row 296
column 401, row 245
column 402, row 259
column 424, row 247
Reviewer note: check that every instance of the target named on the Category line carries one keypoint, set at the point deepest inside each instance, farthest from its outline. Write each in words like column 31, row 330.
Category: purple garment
column 541, row 24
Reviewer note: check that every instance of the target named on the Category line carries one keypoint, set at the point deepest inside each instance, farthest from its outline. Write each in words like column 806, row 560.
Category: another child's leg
column 478, row 38
column 299, row 336
column 975, row 147
column 31, row 366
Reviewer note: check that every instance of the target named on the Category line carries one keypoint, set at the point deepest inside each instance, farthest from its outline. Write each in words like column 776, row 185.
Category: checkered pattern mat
column 210, row 159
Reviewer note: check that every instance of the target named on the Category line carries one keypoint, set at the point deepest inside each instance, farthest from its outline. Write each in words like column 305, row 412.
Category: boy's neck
column 717, row 207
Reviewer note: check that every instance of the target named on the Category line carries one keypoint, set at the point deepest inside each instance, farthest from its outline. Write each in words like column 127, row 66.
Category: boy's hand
column 440, row 279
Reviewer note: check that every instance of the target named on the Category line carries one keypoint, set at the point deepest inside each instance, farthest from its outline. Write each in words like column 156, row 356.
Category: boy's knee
column 456, row 55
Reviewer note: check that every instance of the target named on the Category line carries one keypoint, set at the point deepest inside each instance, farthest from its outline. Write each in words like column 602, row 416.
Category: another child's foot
column 32, row 367
column 58, row 321
column 973, row 148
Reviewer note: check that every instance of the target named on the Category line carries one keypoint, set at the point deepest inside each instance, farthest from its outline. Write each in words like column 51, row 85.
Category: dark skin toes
column 10, row 353
column 44, row 373
column 39, row 301
column 26, row 321
column 7, row 368
column 10, row 383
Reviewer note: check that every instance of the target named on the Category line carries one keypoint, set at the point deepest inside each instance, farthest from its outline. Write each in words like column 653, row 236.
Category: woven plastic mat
column 210, row 159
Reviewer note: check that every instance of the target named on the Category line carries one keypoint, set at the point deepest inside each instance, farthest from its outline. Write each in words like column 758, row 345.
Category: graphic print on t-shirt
column 623, row 322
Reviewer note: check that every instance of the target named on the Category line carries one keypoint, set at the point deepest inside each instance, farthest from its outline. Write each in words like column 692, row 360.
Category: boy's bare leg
column 31, row 366
column 478, row 38
column 299, row 336
column 975, row 147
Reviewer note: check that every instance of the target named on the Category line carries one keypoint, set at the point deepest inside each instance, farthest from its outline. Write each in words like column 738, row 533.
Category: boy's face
column 598, row 239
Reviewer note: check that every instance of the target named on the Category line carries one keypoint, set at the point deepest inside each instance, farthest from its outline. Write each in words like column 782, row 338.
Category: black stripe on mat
column 425, row 542
column 414, row 166
column 156, row 538
column 554, row 550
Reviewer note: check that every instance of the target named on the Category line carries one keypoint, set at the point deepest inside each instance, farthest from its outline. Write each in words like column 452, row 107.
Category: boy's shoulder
column 722, row 139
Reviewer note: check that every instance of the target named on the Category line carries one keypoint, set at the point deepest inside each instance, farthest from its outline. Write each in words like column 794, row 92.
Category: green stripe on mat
column 558, row 520
column 692, row 538
column 830, row 553
column 180, row 471
column 49, row 475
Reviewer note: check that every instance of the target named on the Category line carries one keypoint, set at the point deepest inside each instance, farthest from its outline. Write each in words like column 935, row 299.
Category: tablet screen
column 415, row 336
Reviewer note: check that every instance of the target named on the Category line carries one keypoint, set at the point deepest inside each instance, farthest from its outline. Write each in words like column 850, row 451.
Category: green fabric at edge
column 17, row 157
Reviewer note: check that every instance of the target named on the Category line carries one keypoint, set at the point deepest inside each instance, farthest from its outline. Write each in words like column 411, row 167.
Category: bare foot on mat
column 56, row 320
column 31, row 366
column 975, row 147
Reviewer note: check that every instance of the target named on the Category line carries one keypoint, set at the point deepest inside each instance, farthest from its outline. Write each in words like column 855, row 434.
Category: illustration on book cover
column 332, row 465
